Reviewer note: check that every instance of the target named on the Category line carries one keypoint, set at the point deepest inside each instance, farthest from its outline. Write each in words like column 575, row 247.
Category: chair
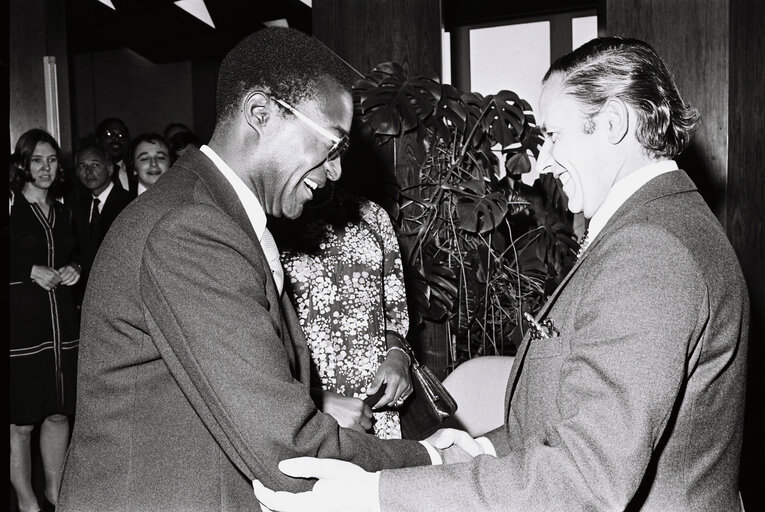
column 478, row 386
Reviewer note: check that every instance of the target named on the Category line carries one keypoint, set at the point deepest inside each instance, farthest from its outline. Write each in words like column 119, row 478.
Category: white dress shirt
column 623, row 190
column 122, row 175
column 101, row 199
column 253, row 209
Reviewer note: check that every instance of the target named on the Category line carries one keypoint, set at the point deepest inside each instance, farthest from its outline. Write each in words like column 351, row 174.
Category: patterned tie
column 95, row 219
column 583, row 243
column 272, row 255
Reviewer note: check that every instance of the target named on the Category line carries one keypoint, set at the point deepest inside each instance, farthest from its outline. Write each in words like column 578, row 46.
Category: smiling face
column 43, row 166
column 580, row 160
column 150, row 160
column 93, row 170
column 297, row 152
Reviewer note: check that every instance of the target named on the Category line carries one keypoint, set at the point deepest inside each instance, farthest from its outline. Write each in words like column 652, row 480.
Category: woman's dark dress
column 44, row 326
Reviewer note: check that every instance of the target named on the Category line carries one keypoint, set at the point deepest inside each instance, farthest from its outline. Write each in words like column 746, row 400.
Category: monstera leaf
column 393, row 105
column 504, row 119
column 450, row 112
column 480, row 246
column 478, row 211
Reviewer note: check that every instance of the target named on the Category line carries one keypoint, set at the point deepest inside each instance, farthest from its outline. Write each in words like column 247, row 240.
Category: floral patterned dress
column 347, row 295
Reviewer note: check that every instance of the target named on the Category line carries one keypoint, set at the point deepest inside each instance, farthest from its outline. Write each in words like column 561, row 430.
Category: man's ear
column 256, row 110
column 617, row 117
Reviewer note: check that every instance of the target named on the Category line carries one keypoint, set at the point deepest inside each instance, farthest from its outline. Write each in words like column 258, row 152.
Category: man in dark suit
column 634, row 398
column 113, row 134
column 94, row 213
column 194, row 375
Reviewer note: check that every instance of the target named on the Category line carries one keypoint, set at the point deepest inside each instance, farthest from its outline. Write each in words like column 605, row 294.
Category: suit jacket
column 638, row 404
column 194, row 378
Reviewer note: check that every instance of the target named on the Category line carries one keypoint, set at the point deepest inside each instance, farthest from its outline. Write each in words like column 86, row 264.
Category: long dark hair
column 21, row 159
column 332, row 204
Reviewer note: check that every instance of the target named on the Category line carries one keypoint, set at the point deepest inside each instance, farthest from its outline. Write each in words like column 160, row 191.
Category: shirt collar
column 141, row 188
column 623, row 190
column 103, row 195
column 248, row 199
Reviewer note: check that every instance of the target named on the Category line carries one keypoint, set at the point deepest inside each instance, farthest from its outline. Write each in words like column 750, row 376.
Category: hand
column 454, row 454
column 45, row 277
column 70, row 274
column 349, row 412
column 394, row 373
column 341, row 487
column 455, row 445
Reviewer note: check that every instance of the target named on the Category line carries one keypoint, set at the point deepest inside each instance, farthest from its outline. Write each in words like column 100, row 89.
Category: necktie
column 95, row 218
column 583, row 243
column 268, row 244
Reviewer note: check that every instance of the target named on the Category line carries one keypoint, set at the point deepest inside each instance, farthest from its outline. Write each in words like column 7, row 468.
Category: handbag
column 429, row 405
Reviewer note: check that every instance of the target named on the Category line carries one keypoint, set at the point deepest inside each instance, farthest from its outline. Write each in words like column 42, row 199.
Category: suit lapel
column 224, row 196
column 673, row 182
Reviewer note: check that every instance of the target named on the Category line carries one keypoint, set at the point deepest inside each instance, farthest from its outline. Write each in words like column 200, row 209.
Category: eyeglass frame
column 340, row 144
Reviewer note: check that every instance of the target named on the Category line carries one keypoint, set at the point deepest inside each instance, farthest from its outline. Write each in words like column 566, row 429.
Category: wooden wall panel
column 366, row 33
column 746, row 215
column 122, row 83
column 699, row 66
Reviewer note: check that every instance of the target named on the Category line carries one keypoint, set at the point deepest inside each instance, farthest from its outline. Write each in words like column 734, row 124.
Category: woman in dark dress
column 44, row 331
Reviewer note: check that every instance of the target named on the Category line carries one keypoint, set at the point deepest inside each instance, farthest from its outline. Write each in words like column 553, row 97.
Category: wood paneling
column 366, row 33
column 714, row 49
column 122, row 83
column 746, row 215
column 699, row 66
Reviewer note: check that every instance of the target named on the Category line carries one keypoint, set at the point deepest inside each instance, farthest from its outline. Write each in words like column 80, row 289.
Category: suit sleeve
column 207, row 302
column 615, row 392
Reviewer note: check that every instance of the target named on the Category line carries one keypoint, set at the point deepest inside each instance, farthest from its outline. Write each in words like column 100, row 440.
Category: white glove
column 341, row 487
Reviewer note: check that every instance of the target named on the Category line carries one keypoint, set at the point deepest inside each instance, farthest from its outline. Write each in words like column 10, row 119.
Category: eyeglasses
column 115, row 134
column 339, row 146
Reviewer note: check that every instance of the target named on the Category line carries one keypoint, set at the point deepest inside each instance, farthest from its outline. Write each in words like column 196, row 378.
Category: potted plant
column 480, row 247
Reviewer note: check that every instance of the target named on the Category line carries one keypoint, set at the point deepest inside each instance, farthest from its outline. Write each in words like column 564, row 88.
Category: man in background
column 634, row 399
column 113, row 134
column 95, row 212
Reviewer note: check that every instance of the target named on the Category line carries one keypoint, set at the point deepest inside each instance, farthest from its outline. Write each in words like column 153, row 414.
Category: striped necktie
column 268, row 244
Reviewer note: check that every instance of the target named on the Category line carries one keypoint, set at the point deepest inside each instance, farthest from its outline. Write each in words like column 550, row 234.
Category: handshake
column 344, row 487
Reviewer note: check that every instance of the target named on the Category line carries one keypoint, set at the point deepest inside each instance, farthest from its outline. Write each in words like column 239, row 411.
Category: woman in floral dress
column 344, row 274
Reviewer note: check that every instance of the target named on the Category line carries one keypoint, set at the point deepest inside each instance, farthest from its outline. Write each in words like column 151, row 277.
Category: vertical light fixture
column 51, row 97
column 198, row 9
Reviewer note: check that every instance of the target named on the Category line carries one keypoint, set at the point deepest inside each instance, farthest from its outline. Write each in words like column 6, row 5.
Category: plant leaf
column 481, row 214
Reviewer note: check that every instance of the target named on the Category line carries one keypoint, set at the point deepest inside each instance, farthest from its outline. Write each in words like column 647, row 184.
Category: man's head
column 180, row 138
column 113, row 134
column 149, row 157
column 93, row 167
column 284, row 97
column 608, row 108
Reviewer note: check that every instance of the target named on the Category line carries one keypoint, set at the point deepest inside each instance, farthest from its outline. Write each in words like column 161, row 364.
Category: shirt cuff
column 488, row 448
column 435, row 457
